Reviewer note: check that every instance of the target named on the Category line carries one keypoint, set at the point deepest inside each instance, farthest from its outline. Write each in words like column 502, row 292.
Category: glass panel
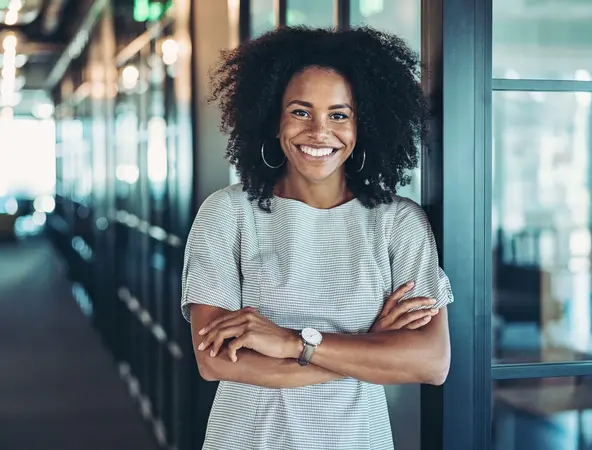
column 402, row 17
column 542, row 176
column 312, row 13
column 542, row 414
column 547, row 39
column 262, row 16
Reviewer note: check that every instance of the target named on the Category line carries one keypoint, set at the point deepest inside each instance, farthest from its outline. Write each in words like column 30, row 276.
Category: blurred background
column 107, row 150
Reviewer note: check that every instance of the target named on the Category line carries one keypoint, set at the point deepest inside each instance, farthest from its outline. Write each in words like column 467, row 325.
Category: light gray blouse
column 330, row 269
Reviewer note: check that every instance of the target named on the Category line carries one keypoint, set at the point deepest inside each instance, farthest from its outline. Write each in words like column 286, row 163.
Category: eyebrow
column 309, row 105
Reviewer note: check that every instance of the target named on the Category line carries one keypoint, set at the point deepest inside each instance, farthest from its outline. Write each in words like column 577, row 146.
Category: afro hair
column 384, row 74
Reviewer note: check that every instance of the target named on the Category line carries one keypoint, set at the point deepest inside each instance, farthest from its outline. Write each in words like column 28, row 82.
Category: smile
column 316, row 152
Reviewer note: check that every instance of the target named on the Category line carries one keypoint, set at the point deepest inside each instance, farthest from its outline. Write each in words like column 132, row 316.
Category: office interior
column 107, row 150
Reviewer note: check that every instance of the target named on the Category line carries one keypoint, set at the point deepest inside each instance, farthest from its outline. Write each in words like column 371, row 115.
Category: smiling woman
column 312, row 283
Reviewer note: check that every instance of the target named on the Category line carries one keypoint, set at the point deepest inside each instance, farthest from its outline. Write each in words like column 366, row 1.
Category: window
column 262, row 16
column 542, row 39
column 312, row 13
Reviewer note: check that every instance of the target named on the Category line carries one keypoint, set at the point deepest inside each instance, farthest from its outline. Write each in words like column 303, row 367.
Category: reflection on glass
column 542, row 39
column 127, row 171
column 402, row 17
column 262, row 16
column 542, row 178
column 157, row 152
column 542, row 414
column 312, row 13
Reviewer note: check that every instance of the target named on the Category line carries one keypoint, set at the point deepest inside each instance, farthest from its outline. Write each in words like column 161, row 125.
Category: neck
column 324, row 194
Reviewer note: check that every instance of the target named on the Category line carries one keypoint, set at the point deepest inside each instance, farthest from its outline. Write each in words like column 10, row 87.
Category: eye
column 300, row 113
column 339, row 116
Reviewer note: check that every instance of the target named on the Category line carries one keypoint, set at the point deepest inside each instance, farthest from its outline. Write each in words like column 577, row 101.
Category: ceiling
column 42, row 28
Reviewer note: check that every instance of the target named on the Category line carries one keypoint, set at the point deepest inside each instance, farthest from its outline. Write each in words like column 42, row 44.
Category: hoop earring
column 363, row 160
column 265, row 161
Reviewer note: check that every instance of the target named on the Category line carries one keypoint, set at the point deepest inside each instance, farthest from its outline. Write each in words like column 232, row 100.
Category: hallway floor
column 59, row 388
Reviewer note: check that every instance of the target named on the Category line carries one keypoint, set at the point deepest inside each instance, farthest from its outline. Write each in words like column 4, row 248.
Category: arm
column 251, row 367
column 388, row 357
column 271, row 364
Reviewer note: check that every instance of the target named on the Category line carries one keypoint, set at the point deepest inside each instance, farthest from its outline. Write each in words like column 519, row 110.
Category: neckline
column 299, row 203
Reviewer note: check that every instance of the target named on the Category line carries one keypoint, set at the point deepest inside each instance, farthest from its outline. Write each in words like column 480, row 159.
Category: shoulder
column 224, row 201
column 404, row 217
column 403, row 210
column 220, row 212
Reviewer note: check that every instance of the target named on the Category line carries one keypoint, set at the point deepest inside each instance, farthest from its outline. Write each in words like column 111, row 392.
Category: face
column 318, row 124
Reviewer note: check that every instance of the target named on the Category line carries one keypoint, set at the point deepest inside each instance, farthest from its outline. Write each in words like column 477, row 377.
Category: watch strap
column 306, row 355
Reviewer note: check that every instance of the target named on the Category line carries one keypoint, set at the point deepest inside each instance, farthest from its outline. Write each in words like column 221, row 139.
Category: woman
column 293, row 280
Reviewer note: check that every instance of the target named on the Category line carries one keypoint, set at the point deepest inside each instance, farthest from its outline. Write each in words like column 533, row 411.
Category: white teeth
column 316, row 151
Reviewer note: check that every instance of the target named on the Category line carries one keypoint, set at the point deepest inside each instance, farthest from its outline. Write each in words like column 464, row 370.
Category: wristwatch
column 311, row 339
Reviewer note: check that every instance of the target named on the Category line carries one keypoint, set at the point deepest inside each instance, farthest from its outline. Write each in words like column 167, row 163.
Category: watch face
column 312, row 336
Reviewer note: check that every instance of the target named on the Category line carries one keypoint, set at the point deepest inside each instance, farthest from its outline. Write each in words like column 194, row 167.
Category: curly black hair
column 384, row 74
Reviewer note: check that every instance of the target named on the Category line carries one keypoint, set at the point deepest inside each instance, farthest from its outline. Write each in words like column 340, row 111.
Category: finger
column 407, row 306
column 394, row 298
column 225, row 333
column 218, row 336
column 224, row 318
column 408, row 318
column 413, row 304
column 237, row 344
column 219, row 320
column 419, row 323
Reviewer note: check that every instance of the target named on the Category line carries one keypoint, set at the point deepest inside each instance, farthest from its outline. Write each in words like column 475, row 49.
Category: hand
column 250, row 330
column 397, row 314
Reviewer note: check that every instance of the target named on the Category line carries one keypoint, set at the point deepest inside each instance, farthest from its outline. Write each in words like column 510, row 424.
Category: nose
column 319, row 131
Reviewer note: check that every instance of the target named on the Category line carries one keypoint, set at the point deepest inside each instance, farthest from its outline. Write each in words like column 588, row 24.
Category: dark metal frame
column 541, row 370
column 466, row 243
column 499, row 84
column 281, row 12
column 341, row 14
column 432, row 400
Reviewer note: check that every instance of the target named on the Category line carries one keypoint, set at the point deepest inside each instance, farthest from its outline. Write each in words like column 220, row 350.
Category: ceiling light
column 11, row 17
column 43, row 110
column 130, row 76
column 7, row 113
column 15, row 5
column 9, row 42
column 170, row 51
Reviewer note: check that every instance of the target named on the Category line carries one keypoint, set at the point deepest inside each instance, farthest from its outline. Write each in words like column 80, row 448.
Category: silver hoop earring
column 265, row 161
column 363, row 160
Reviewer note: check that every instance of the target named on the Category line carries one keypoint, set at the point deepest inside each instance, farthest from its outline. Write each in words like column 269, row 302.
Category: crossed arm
column 252, row 367
column 263, row 354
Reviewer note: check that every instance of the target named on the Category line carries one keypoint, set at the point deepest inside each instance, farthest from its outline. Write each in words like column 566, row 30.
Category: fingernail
column 201, row 346
column 410, row 284
column 212, row 353
column 202, row 331
column 434, row 310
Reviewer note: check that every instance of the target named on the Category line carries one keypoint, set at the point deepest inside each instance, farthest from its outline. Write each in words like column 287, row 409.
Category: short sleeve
column 414, row 255
column 211, row 268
